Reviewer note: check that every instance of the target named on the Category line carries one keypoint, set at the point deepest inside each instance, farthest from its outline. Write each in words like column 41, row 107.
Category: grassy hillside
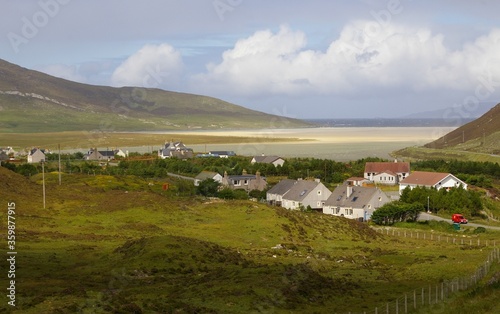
column 478, row 140
column 481, row 135
column 31, row 101
column 123, row 244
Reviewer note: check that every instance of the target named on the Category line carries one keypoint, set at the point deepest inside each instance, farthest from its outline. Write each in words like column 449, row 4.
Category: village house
column 36, row 155
column 245, row 181
column 207, row 175
column 275, row 194
column 3, row 156
column 175, row 150
column 99, row 155
column 119, row 153
column 437, row 180
column 355, row 202
column 274, row 160
column 303, row 194
column 389, row 173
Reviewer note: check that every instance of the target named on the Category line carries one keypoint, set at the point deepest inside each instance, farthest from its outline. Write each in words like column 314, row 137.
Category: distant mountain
column 448, row 114
column 479, row 135
column 32, row 101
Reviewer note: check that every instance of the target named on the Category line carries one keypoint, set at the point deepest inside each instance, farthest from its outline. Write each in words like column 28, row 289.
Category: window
column 236, row 182
column 246, row 182
column 319, row 192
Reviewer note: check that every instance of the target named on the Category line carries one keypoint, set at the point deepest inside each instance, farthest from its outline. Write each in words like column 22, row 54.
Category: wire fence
column 422, row 235
column 437, row 293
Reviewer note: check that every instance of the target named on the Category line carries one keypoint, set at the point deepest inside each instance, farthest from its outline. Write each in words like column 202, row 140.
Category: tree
column 208, row 187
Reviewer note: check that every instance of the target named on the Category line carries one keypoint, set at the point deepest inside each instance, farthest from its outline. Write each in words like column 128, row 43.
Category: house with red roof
column 390, row 173
column 437, row 180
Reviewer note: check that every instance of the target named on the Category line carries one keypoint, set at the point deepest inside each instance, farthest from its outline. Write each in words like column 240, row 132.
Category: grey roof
column 107, row 153
column 34, row 150
column 243, row 177
column 359, row 197
column 300, row 190
column 282, row 187
column 206, row 175
column 266, row 159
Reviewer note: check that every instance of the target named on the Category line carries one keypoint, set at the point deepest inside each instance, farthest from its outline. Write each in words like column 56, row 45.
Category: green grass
column 115, row 244
column 423, row 153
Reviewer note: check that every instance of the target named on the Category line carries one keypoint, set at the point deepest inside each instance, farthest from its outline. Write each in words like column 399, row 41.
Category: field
column 123, row 244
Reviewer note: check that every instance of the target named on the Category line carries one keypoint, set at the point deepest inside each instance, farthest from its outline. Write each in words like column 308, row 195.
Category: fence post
column 442, row 291
column 415, row 299
column 387, row 308
column 423, row 298
column 437, row 294
column 397, row 306
column 430, row 295
column 406, row 303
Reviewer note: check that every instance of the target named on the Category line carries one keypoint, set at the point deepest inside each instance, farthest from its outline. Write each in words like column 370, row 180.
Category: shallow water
column 340, row 144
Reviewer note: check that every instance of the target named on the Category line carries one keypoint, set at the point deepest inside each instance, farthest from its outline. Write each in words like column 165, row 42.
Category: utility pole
column 428, row 204
column 59, row 146
column 43, row 182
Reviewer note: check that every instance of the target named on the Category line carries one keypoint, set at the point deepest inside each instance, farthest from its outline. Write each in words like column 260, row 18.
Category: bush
column 479, row 230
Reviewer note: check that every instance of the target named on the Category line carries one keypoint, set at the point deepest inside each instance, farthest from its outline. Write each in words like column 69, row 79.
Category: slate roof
column 359, row 197
column 206, row 175
column 266, row 159
column 107, row 153
column 243, row 177
column 379, row 167
column 300, row 190
column 282, row 187
column 425, row 178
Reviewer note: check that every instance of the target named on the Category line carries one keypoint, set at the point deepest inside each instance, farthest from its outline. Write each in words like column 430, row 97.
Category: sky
column 302, row 59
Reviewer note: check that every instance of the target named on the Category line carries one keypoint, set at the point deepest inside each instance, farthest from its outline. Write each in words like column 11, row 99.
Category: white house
column 389, row 173
column 207, row 175
column 36, row 155
column 176, row 150
column 274, row 160
column 275, row 194
column 355, row 202
column 306, row 193
column 437, row 180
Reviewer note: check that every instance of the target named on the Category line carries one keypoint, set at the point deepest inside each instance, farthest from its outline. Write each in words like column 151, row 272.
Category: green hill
column 481, row 135
column 108, row 244
column 32, row 101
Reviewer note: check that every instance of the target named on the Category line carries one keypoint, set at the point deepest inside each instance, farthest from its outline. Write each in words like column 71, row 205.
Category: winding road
column 425, row 216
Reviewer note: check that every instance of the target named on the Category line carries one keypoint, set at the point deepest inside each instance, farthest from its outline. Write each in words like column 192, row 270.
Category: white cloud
column 366, row 56
column 151, row 66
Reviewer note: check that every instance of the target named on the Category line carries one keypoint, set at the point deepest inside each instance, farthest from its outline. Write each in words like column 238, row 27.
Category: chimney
column 244, row 172
column 349, row 191
column 257, row 175
column 318, row 180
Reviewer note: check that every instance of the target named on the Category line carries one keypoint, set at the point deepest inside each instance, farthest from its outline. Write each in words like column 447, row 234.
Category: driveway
column 425, row 216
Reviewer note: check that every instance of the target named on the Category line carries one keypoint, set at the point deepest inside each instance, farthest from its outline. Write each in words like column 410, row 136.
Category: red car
column 458, row 218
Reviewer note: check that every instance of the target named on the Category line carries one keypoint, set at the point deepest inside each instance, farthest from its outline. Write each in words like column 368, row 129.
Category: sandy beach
column 341, row 144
